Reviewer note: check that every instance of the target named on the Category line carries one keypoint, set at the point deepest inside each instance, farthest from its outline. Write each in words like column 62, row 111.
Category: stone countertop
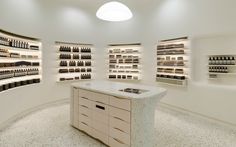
column 112, row 88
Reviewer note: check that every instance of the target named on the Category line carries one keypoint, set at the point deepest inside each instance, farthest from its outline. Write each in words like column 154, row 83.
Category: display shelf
column 70, row 69
column 215, row 73
column 15, row 49
column 126, row 58
column 172, row 61
column 171, row 74
column 173, row 67
column 172, row 82
column 20, row 60
column 221, row 66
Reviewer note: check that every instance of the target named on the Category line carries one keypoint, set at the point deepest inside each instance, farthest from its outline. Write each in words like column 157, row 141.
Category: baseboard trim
column 18, row 116
column 198, row 115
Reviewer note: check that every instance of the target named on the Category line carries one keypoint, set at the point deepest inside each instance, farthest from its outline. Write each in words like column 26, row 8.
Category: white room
column 170, row 65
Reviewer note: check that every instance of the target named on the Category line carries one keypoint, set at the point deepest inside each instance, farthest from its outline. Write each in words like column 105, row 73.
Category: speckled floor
column 50, row 128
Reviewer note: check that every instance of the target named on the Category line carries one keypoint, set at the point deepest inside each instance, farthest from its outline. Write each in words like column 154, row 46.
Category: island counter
column 118, row 114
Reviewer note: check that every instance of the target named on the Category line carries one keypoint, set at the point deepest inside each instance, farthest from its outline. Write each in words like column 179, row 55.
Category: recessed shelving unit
column 221, row 66
column 124, row 62
column 74, row 61
column 20, row 60
column 172, row 61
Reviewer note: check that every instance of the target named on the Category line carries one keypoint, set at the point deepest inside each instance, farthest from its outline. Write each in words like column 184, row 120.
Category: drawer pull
column 85, row 115
column 84, row 123
column 118, row 141
column 100, row 102
column 118, row 97
column 119, row 130
column 84, row 98
column 100, row 107
column 84, row 106
column 118, row 118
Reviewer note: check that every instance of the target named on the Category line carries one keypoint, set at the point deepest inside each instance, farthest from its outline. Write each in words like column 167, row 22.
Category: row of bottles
column 222, row 60
column 219, row 69
column 74, row 63
column 171, row 52
column 7, row 54
column 19, row 44
column 18, row 64
column 6, row 74
column 17, row 84
column 124, row 77
column 75, row 49
column 73, row 70
column 176, row 77
column 82, row 77
column 74, row 56
column 170, row 46
column 4, row 41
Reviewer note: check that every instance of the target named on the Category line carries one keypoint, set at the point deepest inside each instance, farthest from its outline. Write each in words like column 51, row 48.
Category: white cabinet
column 74, row 107
column 104, row 117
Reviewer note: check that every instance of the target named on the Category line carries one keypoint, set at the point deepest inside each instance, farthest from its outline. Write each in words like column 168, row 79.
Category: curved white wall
column 209, row 23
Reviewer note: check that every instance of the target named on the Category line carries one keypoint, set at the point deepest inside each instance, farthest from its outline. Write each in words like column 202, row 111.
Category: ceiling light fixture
column 114, row 11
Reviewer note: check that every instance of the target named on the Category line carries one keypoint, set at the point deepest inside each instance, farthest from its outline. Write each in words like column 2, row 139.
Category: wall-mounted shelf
column 124, row 62
column 221, row 66
column 74, row 61
column 172, row 61
column 20, row 60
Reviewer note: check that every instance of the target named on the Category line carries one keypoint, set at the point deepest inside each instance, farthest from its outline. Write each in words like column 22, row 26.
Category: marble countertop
column 112, row 88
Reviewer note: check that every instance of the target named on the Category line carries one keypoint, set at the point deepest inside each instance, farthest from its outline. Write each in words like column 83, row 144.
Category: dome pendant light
column 114, row 11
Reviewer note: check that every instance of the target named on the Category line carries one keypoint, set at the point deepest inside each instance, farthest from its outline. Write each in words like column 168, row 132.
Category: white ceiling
column 93, row 5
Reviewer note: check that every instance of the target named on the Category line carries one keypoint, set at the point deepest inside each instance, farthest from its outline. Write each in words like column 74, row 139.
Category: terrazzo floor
column 50, row 128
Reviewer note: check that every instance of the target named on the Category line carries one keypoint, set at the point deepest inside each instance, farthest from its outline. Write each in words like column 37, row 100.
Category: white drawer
column 85, row 119
column 116, row 143
column 120, row 136
column 98, row 97
column 119, row 124
column 101, row 127
column 85, row 94
column 85, row 102
column 100, row 117
column 100, row 136
column 100, row 108
column 120, row 103
column 102, row 98
column 84, row 127
column 120, row 114
column 86, row 111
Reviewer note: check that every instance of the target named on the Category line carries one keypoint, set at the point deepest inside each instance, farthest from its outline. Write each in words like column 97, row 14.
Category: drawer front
column 116, row 143
column 100, row 108
column 120, row 114
column 101, row 98
column 120, row 136
column 120, row 103
column 100, row 117
column 101, row 127
column 85, row 119
column 85, row 102
column 85, row 128
column 86, row 111
column 119, row 124
column 100, row 136
column 85, row 94
column 98, row 97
